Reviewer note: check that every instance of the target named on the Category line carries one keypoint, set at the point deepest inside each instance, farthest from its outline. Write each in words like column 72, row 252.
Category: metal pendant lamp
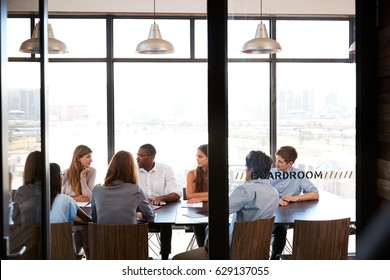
column 352, row 48
column 32, row 45
column 261, row 44
column 155, row 44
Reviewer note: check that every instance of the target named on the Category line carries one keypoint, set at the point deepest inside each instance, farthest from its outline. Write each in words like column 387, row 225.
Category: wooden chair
column 62, row 247
column 251, row 240
column 320, row 240
column 118, row 242
column 28, row 237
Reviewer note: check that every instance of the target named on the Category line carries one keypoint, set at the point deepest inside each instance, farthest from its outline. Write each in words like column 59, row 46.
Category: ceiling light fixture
column 32, row 45
column 261, row 44
column 154, row 44
column 352, row 48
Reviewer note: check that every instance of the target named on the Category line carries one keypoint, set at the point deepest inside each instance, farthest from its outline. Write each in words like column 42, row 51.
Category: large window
column 316, row 115
column 162, row 99
column 165, row 105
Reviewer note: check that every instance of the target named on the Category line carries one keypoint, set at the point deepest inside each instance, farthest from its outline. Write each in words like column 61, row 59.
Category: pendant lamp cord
column 261, row 11
column 154, row 11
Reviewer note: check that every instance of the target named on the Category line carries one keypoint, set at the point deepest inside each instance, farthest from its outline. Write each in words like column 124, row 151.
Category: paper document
column 194, row 215
column 84, row 203
column 185, row 204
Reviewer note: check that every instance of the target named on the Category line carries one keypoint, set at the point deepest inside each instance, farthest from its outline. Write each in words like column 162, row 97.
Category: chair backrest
column 251, row 240
column 62, row 247
column 28, row 236
column 118, row 242
column 321, row 240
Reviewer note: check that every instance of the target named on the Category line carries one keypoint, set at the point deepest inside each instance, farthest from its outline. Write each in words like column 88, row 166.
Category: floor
column 181, row 240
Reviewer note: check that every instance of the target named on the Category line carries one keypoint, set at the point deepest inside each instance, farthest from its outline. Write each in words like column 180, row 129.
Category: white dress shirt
column 159, row 181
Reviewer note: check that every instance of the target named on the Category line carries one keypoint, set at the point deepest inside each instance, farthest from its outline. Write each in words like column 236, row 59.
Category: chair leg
column 191, row 244
column 288, row 247
column 154, row 245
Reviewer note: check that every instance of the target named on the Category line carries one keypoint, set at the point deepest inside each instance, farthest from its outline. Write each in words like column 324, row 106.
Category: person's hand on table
column 194, row 200
column 156, row 201
column 285, row 200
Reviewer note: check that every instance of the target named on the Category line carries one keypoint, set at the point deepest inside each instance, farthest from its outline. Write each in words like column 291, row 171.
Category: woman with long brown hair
column 79, row 178
column 118, row 199
column 78, row 182
column 197, row 188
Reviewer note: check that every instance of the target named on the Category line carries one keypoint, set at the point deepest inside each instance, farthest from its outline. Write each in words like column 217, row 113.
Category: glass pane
column 83, row 37
column 317, row 117
column 24, row 116
column 241, row 31
column 77, row 113
column 200, row 38
column 248, row 114
column 128, row 33
column 24, row 158
column 18, row 31
column 313, row 39
column 165, row 105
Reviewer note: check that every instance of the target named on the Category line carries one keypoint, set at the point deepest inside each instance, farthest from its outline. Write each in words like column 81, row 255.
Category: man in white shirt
column 159, row 183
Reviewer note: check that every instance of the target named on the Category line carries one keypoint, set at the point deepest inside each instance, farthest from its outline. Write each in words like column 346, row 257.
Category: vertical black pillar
column 218, row 129
column 43, row 37
column 110, row 90
column 366, row 113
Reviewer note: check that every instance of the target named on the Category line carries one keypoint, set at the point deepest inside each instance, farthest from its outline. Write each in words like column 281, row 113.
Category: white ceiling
column 270, row 7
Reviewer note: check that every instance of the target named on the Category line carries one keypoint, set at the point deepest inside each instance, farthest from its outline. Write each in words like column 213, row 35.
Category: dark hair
column 33, row 168
column 288, row 153
column 55, row 181
column 259, row 163
column 201, row 175
column 150, row 148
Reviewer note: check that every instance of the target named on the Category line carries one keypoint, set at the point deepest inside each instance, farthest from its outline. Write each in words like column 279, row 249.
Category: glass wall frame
column 110, row 60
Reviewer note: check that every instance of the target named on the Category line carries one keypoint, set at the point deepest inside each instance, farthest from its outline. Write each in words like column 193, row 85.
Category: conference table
column 182, row 213
column 323, row 209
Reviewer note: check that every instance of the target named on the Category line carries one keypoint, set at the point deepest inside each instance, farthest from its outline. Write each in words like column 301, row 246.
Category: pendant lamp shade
column 261, row 44
column 155, row 44
column 32, row 45
column 352, row 48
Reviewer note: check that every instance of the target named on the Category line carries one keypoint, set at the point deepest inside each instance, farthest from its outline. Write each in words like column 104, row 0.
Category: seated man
column 159, row 184
column 254, row 200
column 291, row 188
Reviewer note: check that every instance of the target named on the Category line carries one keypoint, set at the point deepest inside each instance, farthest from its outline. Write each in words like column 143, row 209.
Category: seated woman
column 27, row 208
column 63, row 208
column 254, row 200
column 119, row 198
column 78, row 182
column 197, row 189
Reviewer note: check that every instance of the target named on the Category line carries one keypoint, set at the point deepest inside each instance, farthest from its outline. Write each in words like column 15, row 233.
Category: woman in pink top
column 78, row 182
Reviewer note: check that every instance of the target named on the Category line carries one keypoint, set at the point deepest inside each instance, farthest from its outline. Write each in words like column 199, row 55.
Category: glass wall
column 316, row 101
column 162, row 99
